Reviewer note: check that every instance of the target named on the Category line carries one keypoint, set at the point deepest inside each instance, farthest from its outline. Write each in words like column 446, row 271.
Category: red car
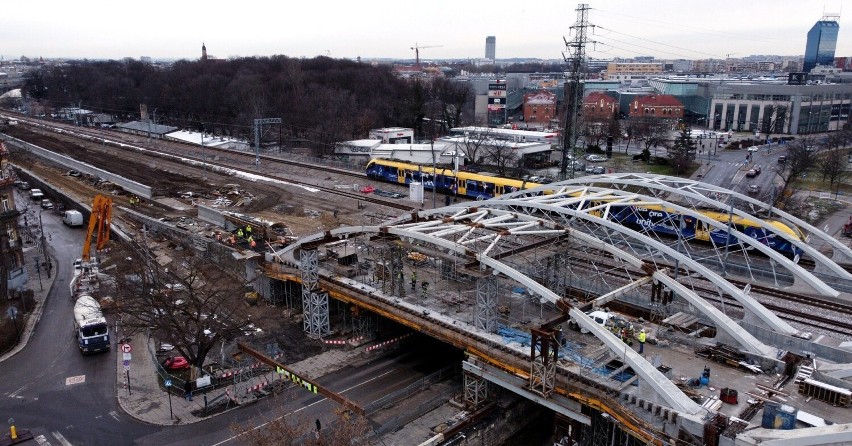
column 176, row 363
column 368, row 189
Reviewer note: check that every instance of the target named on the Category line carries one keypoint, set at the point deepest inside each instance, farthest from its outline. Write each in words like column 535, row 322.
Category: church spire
column 203, row 51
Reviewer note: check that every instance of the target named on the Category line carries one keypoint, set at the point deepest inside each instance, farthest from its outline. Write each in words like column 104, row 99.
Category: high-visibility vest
column 641, row 336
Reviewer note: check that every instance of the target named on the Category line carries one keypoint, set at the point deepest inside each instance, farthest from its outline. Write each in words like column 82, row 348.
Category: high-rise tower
column 490, row 47
column 203, row 51
column 822, row 41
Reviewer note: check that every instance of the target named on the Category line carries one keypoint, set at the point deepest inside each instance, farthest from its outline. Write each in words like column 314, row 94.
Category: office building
column 822, row 41
column 491, row 47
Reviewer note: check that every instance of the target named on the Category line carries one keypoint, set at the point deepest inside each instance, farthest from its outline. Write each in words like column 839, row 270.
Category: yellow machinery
column 100, row 220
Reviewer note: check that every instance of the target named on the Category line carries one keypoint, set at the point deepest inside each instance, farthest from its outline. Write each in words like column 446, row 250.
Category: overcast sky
column 175, row 29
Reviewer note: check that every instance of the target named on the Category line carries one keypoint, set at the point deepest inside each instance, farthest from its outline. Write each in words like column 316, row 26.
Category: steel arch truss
column 696, row 194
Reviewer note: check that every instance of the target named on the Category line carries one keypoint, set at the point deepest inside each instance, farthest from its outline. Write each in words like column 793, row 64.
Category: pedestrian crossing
column 58, row 437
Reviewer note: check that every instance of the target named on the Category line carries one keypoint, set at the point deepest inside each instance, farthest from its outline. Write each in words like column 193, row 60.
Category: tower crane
column 417, row 49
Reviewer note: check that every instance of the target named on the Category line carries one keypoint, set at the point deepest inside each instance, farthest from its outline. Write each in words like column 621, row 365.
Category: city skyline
column 383, row 29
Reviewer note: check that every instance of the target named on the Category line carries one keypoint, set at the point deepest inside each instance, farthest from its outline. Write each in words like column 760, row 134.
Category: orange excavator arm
column 100, row 221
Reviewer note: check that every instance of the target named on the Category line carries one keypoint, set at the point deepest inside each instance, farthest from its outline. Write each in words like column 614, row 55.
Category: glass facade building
column 822, row 41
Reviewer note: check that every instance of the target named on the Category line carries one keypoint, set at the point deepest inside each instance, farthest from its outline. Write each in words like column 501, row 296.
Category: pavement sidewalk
column 41, row 286
column 147, row 401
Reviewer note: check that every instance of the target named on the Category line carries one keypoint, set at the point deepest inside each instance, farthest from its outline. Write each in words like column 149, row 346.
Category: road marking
column 61, row 439
column 21, row 389
column 42, row 441
column 80, row 379
column 301, row 409
column 114, row 414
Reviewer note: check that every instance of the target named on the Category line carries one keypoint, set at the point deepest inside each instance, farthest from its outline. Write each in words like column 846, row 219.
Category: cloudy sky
column 175, row 29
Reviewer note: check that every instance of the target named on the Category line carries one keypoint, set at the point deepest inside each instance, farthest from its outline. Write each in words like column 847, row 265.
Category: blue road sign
column 168, row 383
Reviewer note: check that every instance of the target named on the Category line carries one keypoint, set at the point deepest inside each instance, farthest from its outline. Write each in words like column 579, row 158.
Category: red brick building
column 656, row 106
column 599, row 106
column 539, row 107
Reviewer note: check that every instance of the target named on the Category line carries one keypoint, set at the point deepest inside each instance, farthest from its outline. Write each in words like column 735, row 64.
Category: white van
column 36, row 195
column 72, row 218
column 601, row 317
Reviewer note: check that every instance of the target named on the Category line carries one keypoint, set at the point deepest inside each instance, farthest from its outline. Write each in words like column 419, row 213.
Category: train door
column 701, row 231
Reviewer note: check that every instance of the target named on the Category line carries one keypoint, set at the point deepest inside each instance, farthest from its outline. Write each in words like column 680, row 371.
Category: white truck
column 90, row 325
column 72, row 218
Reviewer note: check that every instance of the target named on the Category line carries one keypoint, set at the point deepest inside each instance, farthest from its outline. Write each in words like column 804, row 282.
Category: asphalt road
column 34, row 384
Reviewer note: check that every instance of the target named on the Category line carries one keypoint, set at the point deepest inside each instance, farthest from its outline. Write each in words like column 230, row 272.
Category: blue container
column 779, row 416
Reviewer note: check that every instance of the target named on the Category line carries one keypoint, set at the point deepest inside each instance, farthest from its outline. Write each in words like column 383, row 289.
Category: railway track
column 243, row 162
column 796, row 308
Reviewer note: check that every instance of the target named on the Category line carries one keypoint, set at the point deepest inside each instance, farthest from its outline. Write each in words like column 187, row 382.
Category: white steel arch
column 768, row 317
column 563, row 195
column 431, row 232
column 700, row 191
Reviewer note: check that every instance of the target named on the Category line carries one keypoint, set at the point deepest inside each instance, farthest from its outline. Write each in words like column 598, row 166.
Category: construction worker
column 250, row 240
column 240, row 233
column 641, row 338
column 248, row 230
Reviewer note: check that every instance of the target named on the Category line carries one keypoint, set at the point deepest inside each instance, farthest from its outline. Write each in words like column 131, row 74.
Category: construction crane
column 417, row 49
column 100, row 220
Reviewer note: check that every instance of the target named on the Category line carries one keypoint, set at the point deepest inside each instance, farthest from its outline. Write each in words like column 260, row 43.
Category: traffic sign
column 168, row 383
column 126, row 362
column 126, row 348
column 126, row 356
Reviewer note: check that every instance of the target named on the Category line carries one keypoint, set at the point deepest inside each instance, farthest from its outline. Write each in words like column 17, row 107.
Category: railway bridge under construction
column 521, row 284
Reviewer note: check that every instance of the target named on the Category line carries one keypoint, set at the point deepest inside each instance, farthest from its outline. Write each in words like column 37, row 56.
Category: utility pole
column 576, row 49
column 258, row 129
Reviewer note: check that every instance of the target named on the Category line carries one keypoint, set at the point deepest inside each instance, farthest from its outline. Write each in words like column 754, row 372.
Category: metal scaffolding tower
column 475, row 391
column 314, row 301
column 486, row 304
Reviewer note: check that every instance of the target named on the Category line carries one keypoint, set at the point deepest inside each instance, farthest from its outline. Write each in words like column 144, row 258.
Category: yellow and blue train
column 656, row 218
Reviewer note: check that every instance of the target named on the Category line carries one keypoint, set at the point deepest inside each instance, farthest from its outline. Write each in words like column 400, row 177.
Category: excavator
column 100, row 221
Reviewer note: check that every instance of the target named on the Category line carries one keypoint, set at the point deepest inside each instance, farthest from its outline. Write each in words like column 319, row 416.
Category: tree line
column 321, row 100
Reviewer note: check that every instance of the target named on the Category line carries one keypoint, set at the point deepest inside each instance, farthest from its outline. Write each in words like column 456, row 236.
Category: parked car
column 176, row 363
column 598, row 170
column 24, row 185
column 46, row 204
column 753, row 188
column 753, row 149
column 36, row 195
column 782, row 159
column 595, row 158
column 74, row 173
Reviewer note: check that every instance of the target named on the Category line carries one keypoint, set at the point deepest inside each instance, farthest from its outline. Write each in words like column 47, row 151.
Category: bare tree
column 502, row 155
column 799, row 160
column 651, row 131
column 192, row 304
column 833, row 166
column 474, row 146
